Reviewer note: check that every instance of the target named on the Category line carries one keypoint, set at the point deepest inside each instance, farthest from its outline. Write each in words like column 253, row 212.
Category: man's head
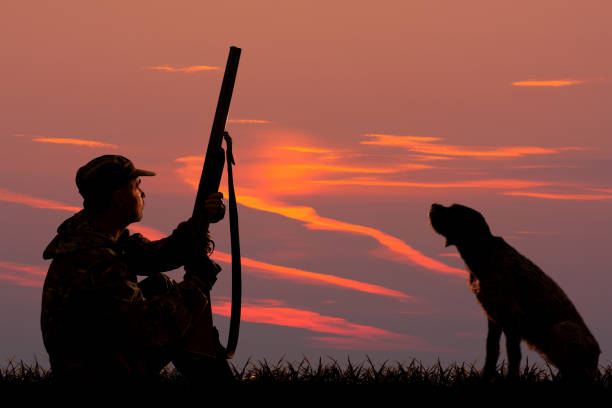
column 112, row 182
column 459, row 224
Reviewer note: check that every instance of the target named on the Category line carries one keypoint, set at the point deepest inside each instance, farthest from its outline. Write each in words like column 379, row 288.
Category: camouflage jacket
column 97, row 320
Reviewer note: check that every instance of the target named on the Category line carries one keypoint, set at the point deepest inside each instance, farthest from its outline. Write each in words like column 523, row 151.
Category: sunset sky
column 349, row 120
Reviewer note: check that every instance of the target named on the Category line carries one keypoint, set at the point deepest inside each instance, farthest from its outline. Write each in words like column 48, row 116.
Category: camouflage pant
column 197, row 369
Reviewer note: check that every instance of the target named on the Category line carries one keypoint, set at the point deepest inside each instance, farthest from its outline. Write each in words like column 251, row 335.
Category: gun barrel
column 225, row 97
column 214, row 159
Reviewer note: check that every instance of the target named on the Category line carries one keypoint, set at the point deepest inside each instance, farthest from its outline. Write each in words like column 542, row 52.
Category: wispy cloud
column 34, row 275
column 491, row 184
column 76, row 142
column 249, row 121
column 429, row 146
column 31, row 269
column 12, row 197
column 557, row 196
column 255, row 267
column 148, row 232
column 189, row 69
column 344, row 333
column 300, row 275
column 555, row 83
column 345, row 169
column 304, row 149
column 545, row 166
column 269, row 311
column 21, row 281
column 313, row 220
column 261, row 267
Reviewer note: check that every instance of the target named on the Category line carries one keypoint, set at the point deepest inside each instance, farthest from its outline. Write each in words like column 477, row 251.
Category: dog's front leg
column 513, row 347
column 493, row 336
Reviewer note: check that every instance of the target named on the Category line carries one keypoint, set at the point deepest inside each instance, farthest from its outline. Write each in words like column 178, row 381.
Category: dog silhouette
column 519, row 299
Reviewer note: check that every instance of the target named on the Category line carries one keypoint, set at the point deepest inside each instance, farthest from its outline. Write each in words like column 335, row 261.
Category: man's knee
column 156, row 284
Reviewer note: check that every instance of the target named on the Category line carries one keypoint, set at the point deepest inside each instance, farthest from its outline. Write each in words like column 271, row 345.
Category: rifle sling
column 234, row 329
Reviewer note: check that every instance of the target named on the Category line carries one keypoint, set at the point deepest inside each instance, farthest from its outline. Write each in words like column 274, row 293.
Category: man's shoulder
column 88, row 265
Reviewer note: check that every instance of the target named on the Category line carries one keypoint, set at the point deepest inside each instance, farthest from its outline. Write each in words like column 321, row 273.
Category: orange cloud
column 425, row 145
column 11, row 197
column 148, row 232
column 545, row 166
column 429, row 158
column 31, row 269
column 344, row 169
column 550, row 83
column 77, row 142
column 301, row 275
column 360, row 337
column 20, row 281
column 190, row 69
column 493, row 184
column 271, row 270
column 34, row 282
column 305, row 149
column 533, row 233
column 313, row 220
column 249, row 121
column 580, row 197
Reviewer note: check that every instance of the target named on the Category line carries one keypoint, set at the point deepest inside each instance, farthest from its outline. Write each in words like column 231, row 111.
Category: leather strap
column 234, row 329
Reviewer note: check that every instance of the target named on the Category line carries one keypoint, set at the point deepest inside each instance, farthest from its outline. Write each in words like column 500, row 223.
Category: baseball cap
column 105, row 174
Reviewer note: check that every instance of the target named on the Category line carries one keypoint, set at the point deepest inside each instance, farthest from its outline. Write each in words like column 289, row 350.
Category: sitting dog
column 518, row 298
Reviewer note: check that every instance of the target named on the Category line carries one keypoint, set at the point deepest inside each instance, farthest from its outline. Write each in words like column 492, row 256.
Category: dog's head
column 458, row 224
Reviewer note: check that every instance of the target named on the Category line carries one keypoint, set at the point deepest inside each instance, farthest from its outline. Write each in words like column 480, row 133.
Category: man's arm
column 145, row 257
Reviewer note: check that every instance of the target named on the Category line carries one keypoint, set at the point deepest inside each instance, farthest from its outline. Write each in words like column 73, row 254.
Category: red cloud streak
column 353, row 336
column 549, row 196
column 34, row 270
column 311, row 277
column 190, row 69
column 357, row 336
column 34, row 282
column 426, row 145
column 76, row 142
column 249, row 121
column 555, row 83
column 20, row 281
column 492, row 184
column 294, row 274
column 12, row 197
column 312, row 220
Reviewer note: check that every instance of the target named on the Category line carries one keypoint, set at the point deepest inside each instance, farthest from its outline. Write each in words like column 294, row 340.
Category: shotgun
column 209, row 183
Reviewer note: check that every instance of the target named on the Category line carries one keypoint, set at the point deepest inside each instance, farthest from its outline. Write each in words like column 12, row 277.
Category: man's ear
column 118, row 198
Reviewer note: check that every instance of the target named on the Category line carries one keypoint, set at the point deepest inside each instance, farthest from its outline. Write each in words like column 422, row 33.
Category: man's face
column 132, row 200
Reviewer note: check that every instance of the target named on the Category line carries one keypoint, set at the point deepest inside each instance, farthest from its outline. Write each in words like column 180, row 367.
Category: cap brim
column 140, row 172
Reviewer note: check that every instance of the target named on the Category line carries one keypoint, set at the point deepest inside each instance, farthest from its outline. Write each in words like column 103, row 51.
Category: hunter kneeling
column 100, row 324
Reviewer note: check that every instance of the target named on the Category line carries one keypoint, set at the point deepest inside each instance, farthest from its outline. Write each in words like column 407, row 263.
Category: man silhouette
column 100, row 324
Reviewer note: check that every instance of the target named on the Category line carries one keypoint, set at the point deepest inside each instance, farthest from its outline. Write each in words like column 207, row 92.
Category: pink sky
column 348, row 120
